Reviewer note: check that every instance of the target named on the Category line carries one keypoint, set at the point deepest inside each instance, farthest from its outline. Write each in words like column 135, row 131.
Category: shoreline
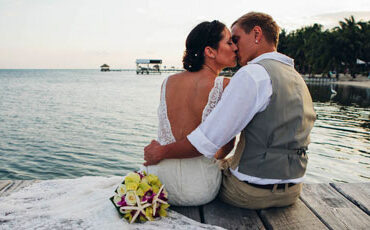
column 346, row 79
column 362, row 84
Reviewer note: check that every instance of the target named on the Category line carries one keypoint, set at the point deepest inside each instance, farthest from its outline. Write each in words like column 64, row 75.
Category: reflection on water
column 340, row 140
column 341, row 94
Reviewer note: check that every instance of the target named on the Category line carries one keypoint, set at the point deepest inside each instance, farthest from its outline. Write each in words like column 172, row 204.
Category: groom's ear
column 257, row 30
column 209, row 52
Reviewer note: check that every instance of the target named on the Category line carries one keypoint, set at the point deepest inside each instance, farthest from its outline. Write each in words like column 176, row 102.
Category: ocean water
column 73, row 123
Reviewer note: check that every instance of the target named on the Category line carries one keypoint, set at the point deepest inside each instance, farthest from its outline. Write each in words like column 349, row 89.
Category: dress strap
column 213, row 97
column 163, row 91
column 165, row 135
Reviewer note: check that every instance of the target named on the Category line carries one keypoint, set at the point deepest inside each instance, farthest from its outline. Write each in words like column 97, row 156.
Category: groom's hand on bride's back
column 153, row 153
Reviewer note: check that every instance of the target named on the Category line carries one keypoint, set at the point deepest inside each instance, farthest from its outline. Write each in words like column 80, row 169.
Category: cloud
column 331, row 20
column 328, row 20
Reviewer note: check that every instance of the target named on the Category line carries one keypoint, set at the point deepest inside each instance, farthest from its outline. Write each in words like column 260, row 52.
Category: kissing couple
column 200, row 113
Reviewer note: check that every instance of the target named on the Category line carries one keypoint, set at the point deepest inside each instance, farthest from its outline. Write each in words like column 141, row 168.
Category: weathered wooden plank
column 192, row 212
column 334, row 210
column 358, row 193
column 15, row 186
column 296, row 216
column 4, row 184
column 224, row 215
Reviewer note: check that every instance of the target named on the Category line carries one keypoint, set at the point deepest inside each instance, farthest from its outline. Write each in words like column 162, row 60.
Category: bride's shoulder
column 178, row 76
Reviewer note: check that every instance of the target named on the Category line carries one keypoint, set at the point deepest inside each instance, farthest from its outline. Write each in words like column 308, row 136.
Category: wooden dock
column 321, row 206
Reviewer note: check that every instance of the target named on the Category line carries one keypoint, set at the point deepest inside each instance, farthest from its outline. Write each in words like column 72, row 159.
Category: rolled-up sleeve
column 241, row 100
column 202, row 143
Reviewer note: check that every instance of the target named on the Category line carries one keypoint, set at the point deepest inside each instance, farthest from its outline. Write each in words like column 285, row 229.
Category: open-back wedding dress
column 190, row 181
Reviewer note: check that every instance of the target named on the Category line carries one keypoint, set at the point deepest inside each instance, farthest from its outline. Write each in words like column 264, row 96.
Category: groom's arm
column 245, row 96
column 155, row 152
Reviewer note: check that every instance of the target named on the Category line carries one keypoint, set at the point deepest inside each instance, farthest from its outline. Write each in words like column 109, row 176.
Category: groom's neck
column 265, row 48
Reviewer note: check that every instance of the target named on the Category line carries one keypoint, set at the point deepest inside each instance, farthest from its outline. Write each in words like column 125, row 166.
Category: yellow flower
column 162, row 209
column 128, row 216
column 132, row 177
column 155, row 189
column 144, row 186
column 132, row 186
column 130, row 198
column 149, row 213
column 142, row 219
column 140, row 192
column 162, row 212
column 122, row 190
column 165, row 206
column 152, row 179
column 117, row 198
column 145, row 180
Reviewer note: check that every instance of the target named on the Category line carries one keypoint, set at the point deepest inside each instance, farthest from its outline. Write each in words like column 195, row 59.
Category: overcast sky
column 87, row 33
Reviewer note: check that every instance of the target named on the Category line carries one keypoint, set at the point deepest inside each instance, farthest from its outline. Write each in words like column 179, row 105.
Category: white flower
column 130, row 198
column 122, row 190
column 117, row 198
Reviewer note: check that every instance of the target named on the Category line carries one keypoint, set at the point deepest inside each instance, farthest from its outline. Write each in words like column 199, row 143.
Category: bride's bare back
column 186, row 96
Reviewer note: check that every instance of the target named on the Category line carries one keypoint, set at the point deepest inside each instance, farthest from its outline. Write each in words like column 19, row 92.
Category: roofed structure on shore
column 104, row 67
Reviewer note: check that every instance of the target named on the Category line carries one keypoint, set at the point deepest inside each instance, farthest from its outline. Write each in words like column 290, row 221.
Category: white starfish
column 139, row 208
column 156, row 200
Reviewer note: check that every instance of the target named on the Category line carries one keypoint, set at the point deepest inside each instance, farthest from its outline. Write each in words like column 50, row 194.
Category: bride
column 186, row 100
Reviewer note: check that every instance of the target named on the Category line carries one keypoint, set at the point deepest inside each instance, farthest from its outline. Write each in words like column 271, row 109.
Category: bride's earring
column 256, row 42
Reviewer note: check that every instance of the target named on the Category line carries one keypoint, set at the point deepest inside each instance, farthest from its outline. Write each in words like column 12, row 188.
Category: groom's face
column 245, row 43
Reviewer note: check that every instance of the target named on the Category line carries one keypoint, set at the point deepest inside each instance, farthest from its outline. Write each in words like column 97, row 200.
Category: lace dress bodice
column 165, row 135
column 189, row 181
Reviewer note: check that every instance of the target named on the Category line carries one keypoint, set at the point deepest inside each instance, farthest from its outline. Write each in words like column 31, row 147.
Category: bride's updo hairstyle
column 203, row 35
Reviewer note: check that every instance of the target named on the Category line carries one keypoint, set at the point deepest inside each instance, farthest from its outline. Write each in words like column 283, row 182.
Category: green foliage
column 316, row 51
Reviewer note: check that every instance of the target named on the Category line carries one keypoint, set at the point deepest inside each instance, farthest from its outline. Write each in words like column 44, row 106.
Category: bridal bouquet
column 141, row 197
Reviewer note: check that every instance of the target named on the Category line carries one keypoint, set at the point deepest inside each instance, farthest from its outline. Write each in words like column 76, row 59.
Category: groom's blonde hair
column 269, row 27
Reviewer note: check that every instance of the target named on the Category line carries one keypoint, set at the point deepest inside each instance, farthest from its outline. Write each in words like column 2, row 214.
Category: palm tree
column 348, row 43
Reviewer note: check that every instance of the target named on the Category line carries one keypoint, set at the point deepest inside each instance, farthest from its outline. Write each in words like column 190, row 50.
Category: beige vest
column 273, row 144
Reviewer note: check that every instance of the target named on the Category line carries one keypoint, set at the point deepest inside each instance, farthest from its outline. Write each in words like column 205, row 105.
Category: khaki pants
column 241, row 194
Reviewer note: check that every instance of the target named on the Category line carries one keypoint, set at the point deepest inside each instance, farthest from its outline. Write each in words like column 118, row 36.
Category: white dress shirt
column 248, row 93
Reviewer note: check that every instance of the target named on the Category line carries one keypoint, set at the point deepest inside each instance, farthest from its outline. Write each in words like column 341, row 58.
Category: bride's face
column 225, row 54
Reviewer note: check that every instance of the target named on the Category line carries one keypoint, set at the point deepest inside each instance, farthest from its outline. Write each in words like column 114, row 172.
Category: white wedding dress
column 190, row 181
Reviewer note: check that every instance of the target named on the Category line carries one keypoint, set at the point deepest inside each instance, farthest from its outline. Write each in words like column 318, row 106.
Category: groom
column 269, row 103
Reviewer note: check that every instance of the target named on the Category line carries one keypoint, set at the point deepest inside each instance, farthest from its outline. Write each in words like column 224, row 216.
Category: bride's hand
column 153, row 153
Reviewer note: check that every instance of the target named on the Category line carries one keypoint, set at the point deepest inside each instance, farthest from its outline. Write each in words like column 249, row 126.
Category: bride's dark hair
column 203, row 35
